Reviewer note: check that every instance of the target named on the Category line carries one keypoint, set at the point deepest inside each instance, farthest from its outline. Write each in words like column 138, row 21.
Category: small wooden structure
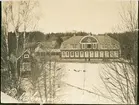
column 25, row 63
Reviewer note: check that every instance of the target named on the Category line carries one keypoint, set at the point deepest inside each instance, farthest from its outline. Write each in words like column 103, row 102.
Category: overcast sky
column 96, row 16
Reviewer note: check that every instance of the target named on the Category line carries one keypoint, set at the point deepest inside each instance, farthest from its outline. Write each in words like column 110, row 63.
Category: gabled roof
column 23, row 53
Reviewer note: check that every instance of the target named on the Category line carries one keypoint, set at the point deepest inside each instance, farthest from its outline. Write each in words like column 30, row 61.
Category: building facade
column 90, row 47
column 26, row 61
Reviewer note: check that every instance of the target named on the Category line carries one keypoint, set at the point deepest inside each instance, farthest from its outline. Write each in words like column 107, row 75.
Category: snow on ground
column 78, row 76
column 8, row 99
column 85, row 80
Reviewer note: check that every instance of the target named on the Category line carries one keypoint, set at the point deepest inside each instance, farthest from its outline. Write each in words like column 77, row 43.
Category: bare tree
column 119, row 81
column 45, row 79
column 17, row 15
column 51, row 77
column 5, row 77
column 129, row 16
column 120, row 78
column 27, row 15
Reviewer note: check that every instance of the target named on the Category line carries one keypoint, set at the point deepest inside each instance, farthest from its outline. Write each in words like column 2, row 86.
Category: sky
column 95, row 16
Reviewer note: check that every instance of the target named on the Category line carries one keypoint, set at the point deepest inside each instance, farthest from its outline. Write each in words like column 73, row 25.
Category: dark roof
column 23, row 53
column 102, row 39
column 73, row 40
column 105, row 39
column 31, row 45
column 47, row 46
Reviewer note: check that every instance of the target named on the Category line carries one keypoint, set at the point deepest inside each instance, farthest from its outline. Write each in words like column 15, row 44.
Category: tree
column 119, row 81
column 120, row 78
column 5, row 77
column 129, row 23
column 17, row 15
column 45, row 80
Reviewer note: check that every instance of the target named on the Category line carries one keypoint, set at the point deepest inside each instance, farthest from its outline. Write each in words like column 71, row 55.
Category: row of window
column 105, row 46
column 83, row 46
column 90, row 54
column 74, row 45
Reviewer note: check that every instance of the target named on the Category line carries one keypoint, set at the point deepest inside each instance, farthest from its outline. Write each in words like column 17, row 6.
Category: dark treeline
column 126, row 39
column 39, row 36
column 128, row 43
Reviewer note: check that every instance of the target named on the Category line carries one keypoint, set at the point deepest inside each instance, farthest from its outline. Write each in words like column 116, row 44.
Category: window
column 88, row 45
column 71, row 54
column 111, row 53
column 26, row 55
column 106, row 53
column 115, row 53
column 94, row 46
column 91, row 54
column 76, row 54
column 67, row 54
column 74, row 45
column 101, row 54
column 86, row 54
column 81, row 54
column 63, row 54
column 96, row 53
column 104, row 46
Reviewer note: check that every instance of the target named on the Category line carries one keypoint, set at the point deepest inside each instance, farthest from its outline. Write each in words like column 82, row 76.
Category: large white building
column 90, row 47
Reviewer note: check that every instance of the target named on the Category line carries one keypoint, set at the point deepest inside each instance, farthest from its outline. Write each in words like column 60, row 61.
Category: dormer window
column 26, row 56
column 89, row 42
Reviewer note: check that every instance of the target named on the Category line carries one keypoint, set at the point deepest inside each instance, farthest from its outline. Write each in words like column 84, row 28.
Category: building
column 24, row 63
column 90, row 47
column 45, row 49
column 26, row 58
column 34, row 52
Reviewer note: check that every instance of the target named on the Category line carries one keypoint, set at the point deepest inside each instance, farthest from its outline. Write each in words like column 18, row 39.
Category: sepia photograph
column 69, row 51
